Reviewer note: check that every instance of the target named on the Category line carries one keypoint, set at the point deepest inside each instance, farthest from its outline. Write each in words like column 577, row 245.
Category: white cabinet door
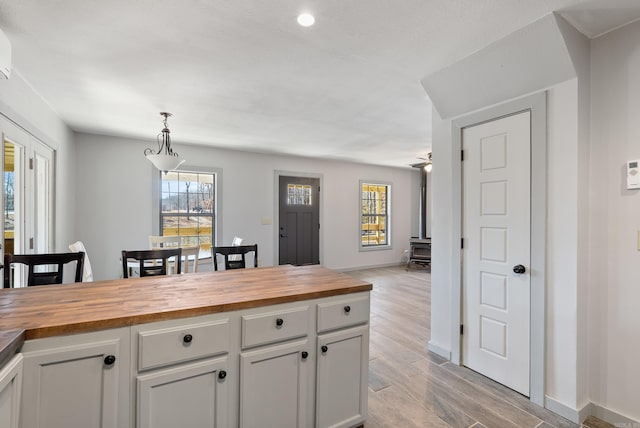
column 10, row 385
column 341, row 388
column 186, row 396
column 274, row 386
column 78, row 383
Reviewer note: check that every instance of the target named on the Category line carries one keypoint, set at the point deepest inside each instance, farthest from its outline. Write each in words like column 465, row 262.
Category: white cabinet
column 341, row 390
column 181, row 373
column 274, row 386
column 10, row 387
column 77, row 381
column 294, row 365
column 276, row 379
column 186, row 396
column 343, row 362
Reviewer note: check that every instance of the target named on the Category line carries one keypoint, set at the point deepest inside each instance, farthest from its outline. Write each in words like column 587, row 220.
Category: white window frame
column 387, row 231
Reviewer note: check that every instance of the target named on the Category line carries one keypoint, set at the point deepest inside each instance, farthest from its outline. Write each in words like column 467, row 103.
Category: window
column 374, row 214
column 299, row 194
column 187, row 208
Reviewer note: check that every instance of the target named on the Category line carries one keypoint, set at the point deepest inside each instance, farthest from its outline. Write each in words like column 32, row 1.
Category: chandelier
column 165, row 159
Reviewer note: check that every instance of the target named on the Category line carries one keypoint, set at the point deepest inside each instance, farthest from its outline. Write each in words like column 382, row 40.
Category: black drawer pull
column 222, row 374
column 187, row 338
column 347, row 309
column 324, row 348
column 109, row 360
column 279, row 322
column 304, row 355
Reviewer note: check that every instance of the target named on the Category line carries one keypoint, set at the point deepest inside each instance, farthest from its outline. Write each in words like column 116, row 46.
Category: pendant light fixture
column 165, row 159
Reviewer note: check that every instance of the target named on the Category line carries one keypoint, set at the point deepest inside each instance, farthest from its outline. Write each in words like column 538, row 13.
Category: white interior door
column 42, row 232
column 496, row 231
column 27, row 205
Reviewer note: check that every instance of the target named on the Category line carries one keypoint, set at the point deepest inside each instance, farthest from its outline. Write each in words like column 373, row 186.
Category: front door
column 299, row 222
column 496, row 249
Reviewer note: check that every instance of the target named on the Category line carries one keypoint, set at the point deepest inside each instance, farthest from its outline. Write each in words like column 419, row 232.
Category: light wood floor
column 411, row 387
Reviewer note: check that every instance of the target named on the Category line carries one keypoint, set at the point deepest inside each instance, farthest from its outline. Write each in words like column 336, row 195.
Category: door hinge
column 31, row 243
column 318, row 226
column 462, row 243
column 30, row 163
column 461, row 155
column 461, row 329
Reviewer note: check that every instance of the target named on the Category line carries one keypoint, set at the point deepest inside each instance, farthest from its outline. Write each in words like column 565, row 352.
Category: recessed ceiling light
column 306, row 19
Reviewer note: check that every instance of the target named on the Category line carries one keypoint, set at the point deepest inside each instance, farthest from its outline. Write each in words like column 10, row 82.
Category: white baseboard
column 384, row 265
column 444, row 353
column 618, row 420
column 567, row 412
column 591, row 409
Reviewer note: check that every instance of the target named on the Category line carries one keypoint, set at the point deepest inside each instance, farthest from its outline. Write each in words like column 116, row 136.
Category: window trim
column 378, row 247
column 156, row 198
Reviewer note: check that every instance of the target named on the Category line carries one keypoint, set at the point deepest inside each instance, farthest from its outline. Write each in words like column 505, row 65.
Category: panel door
column 10, row 388
column 274, row 385
column 341, row 389
column 496, row 231
column 185, row 396
column 72, row 386
column 27, row 205
column 299, row 222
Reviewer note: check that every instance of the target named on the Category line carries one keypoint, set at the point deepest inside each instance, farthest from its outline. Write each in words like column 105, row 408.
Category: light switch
column 266, row 221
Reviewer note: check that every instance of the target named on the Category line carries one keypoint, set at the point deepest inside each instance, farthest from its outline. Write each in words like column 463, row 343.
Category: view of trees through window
column 188, row 208
column 374, row 214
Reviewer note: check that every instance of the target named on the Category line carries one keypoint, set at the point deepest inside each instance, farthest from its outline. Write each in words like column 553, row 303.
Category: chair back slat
column 48, row 277
column 241, row 250
column 147, row 261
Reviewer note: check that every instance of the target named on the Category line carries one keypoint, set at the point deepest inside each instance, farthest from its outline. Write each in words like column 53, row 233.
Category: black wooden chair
column 43, row 277
column 148, row 261
column 230, row 263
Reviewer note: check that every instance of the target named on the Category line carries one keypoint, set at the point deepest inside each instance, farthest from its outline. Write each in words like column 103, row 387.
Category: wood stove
column 419, row 251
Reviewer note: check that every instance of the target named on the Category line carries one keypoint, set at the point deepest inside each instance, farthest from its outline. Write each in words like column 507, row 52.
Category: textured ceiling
column 243, row 75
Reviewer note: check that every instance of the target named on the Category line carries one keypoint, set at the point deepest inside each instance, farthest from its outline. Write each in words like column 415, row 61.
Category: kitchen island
column 278, row 346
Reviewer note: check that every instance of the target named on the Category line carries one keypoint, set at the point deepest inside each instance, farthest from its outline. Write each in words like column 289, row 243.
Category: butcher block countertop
column 10, row 342
column 54, row 310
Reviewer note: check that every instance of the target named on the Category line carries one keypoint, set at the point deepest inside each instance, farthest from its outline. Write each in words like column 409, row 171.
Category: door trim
column 537, row 104
column 276, row 210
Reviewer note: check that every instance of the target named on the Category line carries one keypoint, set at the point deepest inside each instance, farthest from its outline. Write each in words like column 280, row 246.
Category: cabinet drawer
column 183, row 343
column 343, row 313
column 274, row 326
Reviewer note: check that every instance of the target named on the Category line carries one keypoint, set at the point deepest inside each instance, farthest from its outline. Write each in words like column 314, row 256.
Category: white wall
column 593, row 325
column 114, row 202
column 567, row 214
column 562, row 231
column 23, row 106
column 614, row 261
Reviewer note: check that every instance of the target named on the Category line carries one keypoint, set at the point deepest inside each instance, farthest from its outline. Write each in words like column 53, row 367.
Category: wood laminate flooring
column 411, row 387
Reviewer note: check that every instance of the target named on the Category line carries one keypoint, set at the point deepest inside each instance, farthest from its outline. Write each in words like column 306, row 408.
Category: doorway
column 536, row 104
column 27, row 203
column 496, row 250
column 298, row 220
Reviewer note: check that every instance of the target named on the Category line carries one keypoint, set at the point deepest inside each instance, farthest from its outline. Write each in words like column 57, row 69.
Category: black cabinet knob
column 324, row 348
column 304, row 355
column 109, row 360
column 519, row 269
column 279, row 322
column 347, row 309
column 222, row 374
column 187, row 338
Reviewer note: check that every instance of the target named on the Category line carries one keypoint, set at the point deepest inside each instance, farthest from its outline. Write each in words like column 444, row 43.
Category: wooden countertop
column 10, row 342
column 75, row 308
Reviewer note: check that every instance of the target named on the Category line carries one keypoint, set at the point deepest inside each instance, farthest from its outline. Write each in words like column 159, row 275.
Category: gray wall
column 115, row 209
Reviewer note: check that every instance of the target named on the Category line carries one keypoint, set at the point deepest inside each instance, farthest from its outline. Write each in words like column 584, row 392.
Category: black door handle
column 519, row 269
